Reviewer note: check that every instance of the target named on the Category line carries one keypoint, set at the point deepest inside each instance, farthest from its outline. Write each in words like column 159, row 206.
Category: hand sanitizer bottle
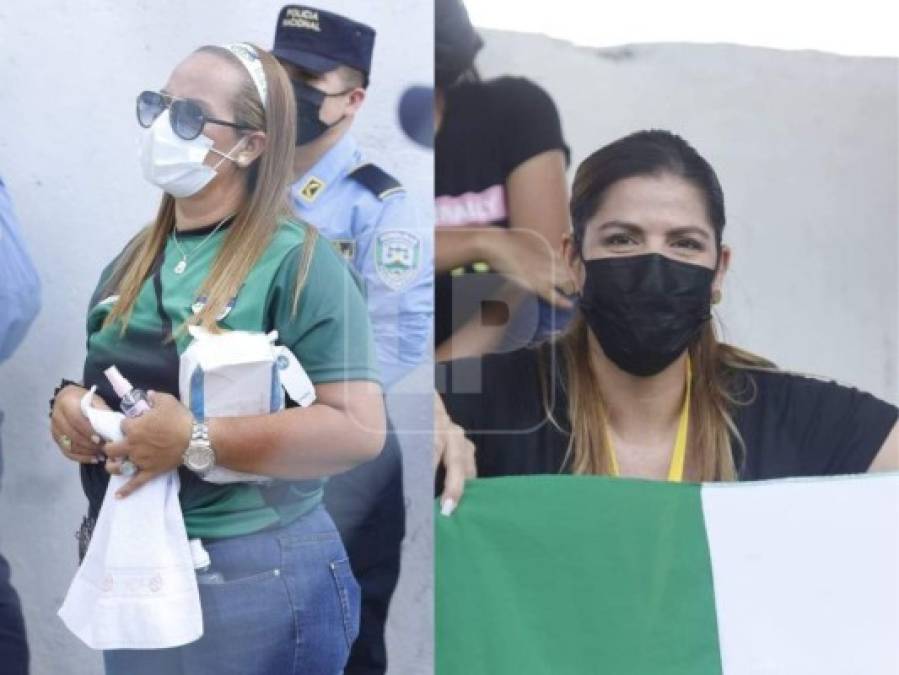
column 134, row 401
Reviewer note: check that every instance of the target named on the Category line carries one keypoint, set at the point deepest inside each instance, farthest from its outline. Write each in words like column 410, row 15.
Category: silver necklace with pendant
column 182, row 264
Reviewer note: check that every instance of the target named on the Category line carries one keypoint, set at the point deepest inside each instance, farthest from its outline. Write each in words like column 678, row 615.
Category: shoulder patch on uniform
column 377, row 181
column 397, row 257
column 311, row 188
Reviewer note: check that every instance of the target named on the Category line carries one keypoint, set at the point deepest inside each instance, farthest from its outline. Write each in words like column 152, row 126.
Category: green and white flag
column 562, row 575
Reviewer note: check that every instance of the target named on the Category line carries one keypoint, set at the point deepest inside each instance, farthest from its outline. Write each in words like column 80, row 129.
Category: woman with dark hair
column 639, row 385
column 501, row 213
column 501, row 198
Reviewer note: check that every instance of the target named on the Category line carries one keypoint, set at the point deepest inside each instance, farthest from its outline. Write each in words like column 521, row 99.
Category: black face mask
column 309, row 105
column 645, row 310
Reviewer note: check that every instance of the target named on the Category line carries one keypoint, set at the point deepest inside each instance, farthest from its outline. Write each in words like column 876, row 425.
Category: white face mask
column 175, row 165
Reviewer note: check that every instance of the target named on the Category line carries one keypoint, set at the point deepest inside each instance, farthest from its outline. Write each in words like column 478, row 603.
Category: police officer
column 20, row 293
column 368, row 215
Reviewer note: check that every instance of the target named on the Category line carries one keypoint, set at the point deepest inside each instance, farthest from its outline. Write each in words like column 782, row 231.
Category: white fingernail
column 95, row 439
column 447, row 507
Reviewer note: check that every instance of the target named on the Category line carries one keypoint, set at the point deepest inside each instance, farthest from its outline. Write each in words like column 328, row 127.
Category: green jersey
column 329, row 334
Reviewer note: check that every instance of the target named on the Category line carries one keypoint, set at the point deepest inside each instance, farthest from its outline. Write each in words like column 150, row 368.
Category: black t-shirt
column 793, row 425
column 488, row 129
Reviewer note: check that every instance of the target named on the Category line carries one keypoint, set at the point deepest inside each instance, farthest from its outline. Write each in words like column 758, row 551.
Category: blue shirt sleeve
column 20, row 288
column 395, row 256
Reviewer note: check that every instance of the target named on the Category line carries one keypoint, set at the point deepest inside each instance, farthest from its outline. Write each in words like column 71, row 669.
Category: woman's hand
column 456, row 453
column 528, row 259
column 155, row 442
column 70, row 428
column 525, row 256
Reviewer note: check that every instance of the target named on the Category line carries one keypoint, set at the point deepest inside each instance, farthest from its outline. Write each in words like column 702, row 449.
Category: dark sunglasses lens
column 187, row 119
column 149, row 106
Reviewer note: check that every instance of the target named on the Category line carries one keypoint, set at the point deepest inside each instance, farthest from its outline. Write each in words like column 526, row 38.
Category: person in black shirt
column 500, row 202
column 639, row 385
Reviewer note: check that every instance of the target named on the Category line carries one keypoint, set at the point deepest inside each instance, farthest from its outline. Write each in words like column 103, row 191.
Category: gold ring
column 65, row 442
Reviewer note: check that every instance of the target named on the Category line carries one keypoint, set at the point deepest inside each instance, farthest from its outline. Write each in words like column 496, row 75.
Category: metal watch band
column 199, row 433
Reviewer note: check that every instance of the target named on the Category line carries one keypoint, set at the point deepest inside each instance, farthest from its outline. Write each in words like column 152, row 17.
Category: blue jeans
column 288, row 605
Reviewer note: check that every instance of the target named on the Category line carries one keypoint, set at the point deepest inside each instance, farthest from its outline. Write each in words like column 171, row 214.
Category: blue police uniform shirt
column 388, row 244
column 20, row 288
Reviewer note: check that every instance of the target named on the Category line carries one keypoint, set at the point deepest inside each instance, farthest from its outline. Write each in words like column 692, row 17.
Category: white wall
column 70, row 72
column 805, row 145
column 861, row 27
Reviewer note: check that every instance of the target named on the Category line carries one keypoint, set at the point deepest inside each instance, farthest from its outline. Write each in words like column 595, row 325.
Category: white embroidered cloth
column 136, row 588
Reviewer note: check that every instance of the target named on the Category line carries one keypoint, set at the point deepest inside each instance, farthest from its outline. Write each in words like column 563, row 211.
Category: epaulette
column 377, row 181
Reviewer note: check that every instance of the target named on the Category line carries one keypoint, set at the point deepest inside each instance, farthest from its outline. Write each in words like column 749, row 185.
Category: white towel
column 136, row 588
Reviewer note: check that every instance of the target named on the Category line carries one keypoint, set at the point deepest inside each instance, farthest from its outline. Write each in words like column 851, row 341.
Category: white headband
column 250, row 60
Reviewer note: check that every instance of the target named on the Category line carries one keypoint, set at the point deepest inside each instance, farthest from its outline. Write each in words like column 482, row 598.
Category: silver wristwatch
column 199, row 456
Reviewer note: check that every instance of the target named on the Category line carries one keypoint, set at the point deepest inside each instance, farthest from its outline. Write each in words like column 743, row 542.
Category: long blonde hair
column 717, row 367
column 256, row 219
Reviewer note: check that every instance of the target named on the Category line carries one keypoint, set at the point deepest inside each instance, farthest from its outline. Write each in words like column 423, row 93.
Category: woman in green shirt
column 223, row 254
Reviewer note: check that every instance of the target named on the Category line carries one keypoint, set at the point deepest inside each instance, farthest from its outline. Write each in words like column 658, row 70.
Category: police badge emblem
column 397, row 257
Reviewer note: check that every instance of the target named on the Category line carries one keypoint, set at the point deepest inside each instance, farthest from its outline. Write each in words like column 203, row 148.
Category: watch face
column 200, row 458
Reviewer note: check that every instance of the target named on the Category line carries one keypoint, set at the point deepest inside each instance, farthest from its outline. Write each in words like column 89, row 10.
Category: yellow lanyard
column 678, row 457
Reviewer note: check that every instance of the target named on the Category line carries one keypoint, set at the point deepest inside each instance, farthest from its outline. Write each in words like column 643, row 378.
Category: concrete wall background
column 805, row 145
column 68, row 154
